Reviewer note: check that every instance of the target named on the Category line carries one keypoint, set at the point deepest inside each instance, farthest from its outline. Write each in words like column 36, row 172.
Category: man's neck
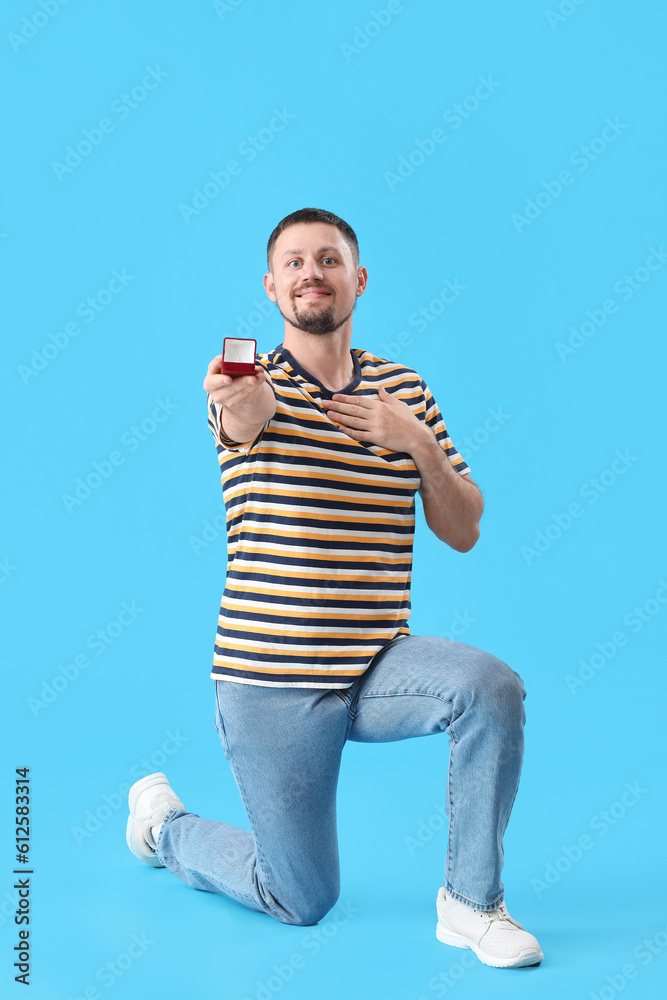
column 328, row 359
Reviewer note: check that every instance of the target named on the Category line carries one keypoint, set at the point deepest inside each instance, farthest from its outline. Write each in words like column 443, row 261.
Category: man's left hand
column 384, row 420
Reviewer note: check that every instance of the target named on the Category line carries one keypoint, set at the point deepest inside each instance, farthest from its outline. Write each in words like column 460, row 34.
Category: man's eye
column 330, row 258
column 292, row 262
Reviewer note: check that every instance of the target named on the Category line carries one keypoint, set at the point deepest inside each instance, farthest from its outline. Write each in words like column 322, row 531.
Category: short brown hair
column 314, row 215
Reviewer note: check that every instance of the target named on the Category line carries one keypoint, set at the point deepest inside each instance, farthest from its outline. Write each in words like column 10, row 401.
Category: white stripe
column 258, row 506
column 377, row 626
column 391, row 575
column 296, row 684
column 313, row 549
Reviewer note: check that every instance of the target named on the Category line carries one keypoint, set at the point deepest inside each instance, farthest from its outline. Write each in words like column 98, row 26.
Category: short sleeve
column 215, row 423
column 434, row 419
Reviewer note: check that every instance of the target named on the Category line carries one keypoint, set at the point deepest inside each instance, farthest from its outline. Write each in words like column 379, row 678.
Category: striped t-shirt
column 320, row 530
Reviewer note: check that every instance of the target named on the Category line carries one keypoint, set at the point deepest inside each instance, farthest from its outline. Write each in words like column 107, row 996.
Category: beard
column 318, row 321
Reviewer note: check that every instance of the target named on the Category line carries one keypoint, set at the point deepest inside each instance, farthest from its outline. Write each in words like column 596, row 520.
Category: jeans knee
column 513, row 683
column 310, row 911
column 503, row 691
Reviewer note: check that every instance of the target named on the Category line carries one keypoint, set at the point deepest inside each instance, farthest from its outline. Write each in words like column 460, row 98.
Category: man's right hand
column 243, row 396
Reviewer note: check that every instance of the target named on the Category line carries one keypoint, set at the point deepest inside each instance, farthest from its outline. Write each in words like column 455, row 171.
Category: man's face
column 314, row 279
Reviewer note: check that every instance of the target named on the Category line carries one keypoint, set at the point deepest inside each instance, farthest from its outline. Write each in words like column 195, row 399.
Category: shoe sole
column 528, row 957
column 145, row 855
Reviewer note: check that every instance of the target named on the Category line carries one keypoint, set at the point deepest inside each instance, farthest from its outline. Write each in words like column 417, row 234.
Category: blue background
column 360, row 101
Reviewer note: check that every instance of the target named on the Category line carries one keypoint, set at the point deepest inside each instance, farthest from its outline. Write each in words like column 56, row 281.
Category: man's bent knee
column 310, row 911
column 507, row 696
column 499, row 693
column 500, row 680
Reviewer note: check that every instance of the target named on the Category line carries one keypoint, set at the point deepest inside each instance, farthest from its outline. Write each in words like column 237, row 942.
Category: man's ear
column 270, row 287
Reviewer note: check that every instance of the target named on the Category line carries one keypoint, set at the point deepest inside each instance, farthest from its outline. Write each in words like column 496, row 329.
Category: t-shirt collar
column 284, row 354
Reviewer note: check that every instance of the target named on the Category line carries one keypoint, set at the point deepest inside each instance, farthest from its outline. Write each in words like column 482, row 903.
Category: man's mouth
column 312, row 293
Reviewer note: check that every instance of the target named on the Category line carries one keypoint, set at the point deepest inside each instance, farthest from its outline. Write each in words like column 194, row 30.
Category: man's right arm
column 245, row 429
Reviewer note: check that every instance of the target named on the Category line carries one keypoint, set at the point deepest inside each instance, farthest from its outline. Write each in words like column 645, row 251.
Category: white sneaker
column 150, row 800
column 493, row 935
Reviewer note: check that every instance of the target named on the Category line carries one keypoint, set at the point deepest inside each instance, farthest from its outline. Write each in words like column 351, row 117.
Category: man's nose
column 311, row 269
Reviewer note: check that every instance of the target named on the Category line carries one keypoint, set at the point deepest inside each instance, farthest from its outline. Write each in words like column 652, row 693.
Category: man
column 321, row 454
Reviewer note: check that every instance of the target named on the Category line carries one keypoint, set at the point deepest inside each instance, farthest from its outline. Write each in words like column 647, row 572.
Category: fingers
column 229, row 390
column 215, row 381
column 349, row 404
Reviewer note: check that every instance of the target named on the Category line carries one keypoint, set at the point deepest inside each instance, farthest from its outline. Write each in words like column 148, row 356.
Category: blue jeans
column 284, row 747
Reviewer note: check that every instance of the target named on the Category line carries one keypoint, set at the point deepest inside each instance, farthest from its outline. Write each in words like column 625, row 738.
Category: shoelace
column 500, row 913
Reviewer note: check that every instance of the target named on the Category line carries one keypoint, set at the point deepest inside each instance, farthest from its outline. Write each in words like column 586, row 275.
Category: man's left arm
column 453, row 503
column 452, row 507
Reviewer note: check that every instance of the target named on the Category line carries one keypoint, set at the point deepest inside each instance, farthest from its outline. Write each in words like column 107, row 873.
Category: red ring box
column 238, row 356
